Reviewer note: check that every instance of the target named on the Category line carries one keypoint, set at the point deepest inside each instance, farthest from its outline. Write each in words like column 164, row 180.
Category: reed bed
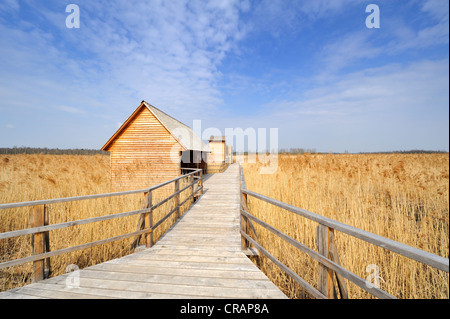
column 37, row 176
column 404, row 197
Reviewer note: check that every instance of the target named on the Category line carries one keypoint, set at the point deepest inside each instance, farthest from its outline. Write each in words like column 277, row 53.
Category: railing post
column 191, row 181
column 47, row 269
column 177, row 197
column 37, row 219
column 244, row 242
column 326, row 285
column 243, row 206
column 201, row 181
column 149, row 220
column 334, row 256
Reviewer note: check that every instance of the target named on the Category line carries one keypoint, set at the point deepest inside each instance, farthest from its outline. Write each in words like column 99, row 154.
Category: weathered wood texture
column 199, row 257
column 327, row 255
column 217, row 155
column 144, row 153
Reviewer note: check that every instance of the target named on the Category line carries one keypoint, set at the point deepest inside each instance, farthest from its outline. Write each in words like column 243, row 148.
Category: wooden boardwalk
column 199, row 257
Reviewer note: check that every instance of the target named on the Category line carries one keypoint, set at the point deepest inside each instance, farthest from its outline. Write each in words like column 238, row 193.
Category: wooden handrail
column 422, row 256
column 85, row 197
column 328, row 263
column 38, row 257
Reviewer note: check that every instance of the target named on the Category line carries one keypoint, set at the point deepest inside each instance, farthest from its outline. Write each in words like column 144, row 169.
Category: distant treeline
column 77, row 151
column 54, row 151
column 407, row 152
column 297, row 150
column 313, row 151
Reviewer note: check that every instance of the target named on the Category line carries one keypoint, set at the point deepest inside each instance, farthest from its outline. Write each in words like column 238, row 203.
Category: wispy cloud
column 302, row 66
column 70, row 109
column 396, row 37
column 167, row 53
column 9, row 6
column 397, row 105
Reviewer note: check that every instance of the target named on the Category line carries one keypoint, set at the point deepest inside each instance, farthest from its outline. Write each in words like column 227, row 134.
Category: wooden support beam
column 327, row 277
column 177, row 197
column 334, row 256
column 191, row 181
column 326, row 285
column 244, row 241
column 201, row 181
column 47, row 267
column 37, row 219
column 149, row 220
column 244, row 206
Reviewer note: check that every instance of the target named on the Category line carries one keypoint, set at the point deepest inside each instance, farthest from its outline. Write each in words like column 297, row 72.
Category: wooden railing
column 215, row 168
column 329, row 265
column 39, row 230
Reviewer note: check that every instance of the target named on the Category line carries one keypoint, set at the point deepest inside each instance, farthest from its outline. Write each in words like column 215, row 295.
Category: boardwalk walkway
column 199, row 257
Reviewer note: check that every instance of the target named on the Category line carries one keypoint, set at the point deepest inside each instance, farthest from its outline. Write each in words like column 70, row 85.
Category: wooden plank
column 54, row 291
column 12, row 294
column 182, row 272
column 167, row 256
column 171, row 279
column 174, row 251
column 180, row 289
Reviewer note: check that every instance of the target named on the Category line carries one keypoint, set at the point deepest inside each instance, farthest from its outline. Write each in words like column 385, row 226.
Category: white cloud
column 432, row 29
column 394, row 38
column 9, row 5
column 165, row 52
column 392, row 87
column 347, row 50
column 70, row 109
column 437, row 8
column 385, row 108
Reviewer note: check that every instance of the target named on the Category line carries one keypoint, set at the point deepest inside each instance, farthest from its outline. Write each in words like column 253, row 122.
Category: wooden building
column 149, row 148
column 220, row 154
column 217, row 150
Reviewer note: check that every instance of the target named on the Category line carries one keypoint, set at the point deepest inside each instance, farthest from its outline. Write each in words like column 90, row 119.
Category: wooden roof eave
column 112, row 138
column 130, row 118
column 162, row 123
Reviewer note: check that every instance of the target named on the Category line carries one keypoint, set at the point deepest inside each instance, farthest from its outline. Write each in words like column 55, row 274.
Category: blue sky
column 312, row 69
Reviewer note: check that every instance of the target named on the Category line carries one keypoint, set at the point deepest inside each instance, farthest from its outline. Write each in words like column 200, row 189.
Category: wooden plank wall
column 144, row 154
column 217, row 154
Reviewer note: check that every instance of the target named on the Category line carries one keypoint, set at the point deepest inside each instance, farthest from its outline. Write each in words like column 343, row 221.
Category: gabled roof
column 181, row 132
column 217, row 139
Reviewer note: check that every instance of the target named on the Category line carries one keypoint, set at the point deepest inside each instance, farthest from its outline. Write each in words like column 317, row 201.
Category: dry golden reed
column 404, row 197
column 38, row 176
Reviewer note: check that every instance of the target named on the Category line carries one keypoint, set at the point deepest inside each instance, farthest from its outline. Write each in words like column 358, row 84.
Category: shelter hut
column 151, row 147
column 217, row 150
column 220, row 155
